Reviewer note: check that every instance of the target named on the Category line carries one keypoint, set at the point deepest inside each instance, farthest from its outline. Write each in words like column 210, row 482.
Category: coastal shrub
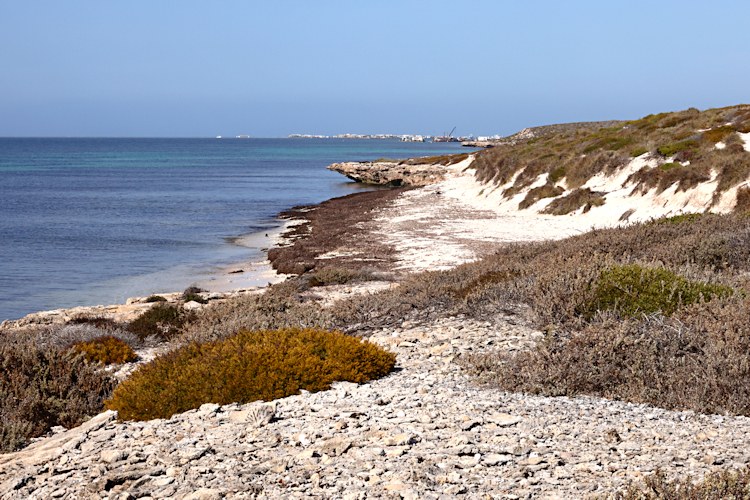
column 64, row 336
column 743, row 200
column 334, row 276
column 733, row 168
column 663, row 178
column 692, row 360
column 718, row 134
column 580, row 198
column 541, row 192
column 675, row 147
column 44, row 387
column 556, row 175
column 280, row 306
column 633, row 289
column 193, row 294
column 679, row 219
column 155, row 298
column 669, row 166
column 445, row 160
column 583, row 150
column 100, row 322
column 106, row 350
column 163, row 321
column 249, row 366
column 724, row 484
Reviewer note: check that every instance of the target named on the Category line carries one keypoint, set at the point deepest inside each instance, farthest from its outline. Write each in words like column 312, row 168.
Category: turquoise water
column 94, row 221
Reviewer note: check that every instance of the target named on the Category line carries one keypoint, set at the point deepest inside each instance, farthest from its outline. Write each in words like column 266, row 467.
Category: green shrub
column 638, row 151
column 249, row 366
column 106, row 350
column 41, row 388
column 665, row 167
column 675, row 147
column 163, row 321
column 155, row 298
column 633, row 290
column 556, row 175
column 725, row 484
column 718, row 134
column 679, row 219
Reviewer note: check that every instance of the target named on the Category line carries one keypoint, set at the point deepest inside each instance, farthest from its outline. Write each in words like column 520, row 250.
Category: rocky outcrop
column 391, row 173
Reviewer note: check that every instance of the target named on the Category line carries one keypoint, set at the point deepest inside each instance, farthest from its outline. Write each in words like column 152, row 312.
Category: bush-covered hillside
column 689, row 148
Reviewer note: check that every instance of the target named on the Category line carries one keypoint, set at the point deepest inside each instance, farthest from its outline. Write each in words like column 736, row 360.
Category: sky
column 183, row 68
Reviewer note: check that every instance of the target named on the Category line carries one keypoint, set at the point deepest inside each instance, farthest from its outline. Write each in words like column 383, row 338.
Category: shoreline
column 222, row 282
column 240, row 278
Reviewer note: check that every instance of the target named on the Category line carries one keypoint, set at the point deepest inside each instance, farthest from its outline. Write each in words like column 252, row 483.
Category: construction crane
column 446, row 138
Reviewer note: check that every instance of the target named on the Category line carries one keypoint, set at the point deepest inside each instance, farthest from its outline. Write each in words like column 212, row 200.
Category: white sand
column 459, row 219
column 746, row 140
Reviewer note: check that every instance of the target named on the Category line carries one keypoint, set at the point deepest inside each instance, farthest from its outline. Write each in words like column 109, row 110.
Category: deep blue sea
column 94, row 221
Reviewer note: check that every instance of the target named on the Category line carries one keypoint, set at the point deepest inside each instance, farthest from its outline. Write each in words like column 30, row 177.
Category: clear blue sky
column 270, row 68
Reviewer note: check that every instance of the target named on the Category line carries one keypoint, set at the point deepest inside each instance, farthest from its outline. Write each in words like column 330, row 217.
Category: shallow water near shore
column 94, row 221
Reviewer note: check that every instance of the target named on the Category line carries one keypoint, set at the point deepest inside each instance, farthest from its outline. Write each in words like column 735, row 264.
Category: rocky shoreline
column 426, row 431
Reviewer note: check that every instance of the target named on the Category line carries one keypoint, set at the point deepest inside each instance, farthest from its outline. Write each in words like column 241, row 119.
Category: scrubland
column 653, row 312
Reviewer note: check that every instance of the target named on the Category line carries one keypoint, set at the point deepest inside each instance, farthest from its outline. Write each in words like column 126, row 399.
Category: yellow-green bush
column 249, row 366
column 106, row 350
column 632, row 289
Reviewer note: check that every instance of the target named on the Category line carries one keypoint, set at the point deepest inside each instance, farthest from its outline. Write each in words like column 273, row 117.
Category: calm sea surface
column 94, row 221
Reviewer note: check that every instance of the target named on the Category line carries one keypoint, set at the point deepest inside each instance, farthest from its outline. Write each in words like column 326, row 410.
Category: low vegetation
column 163, row 321
column 42, row 385
column 248, row 366
column 106, row 350
column 583, row 198
column 634, row 290
column 325, row 276
column 683, row 144
column 193, row 294
column 727, row 484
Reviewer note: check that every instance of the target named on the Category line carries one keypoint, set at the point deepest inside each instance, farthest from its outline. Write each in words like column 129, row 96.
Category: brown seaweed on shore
column 331, row 225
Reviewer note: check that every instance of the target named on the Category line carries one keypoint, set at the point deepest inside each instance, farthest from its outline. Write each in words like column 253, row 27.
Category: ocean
column 95, row 221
